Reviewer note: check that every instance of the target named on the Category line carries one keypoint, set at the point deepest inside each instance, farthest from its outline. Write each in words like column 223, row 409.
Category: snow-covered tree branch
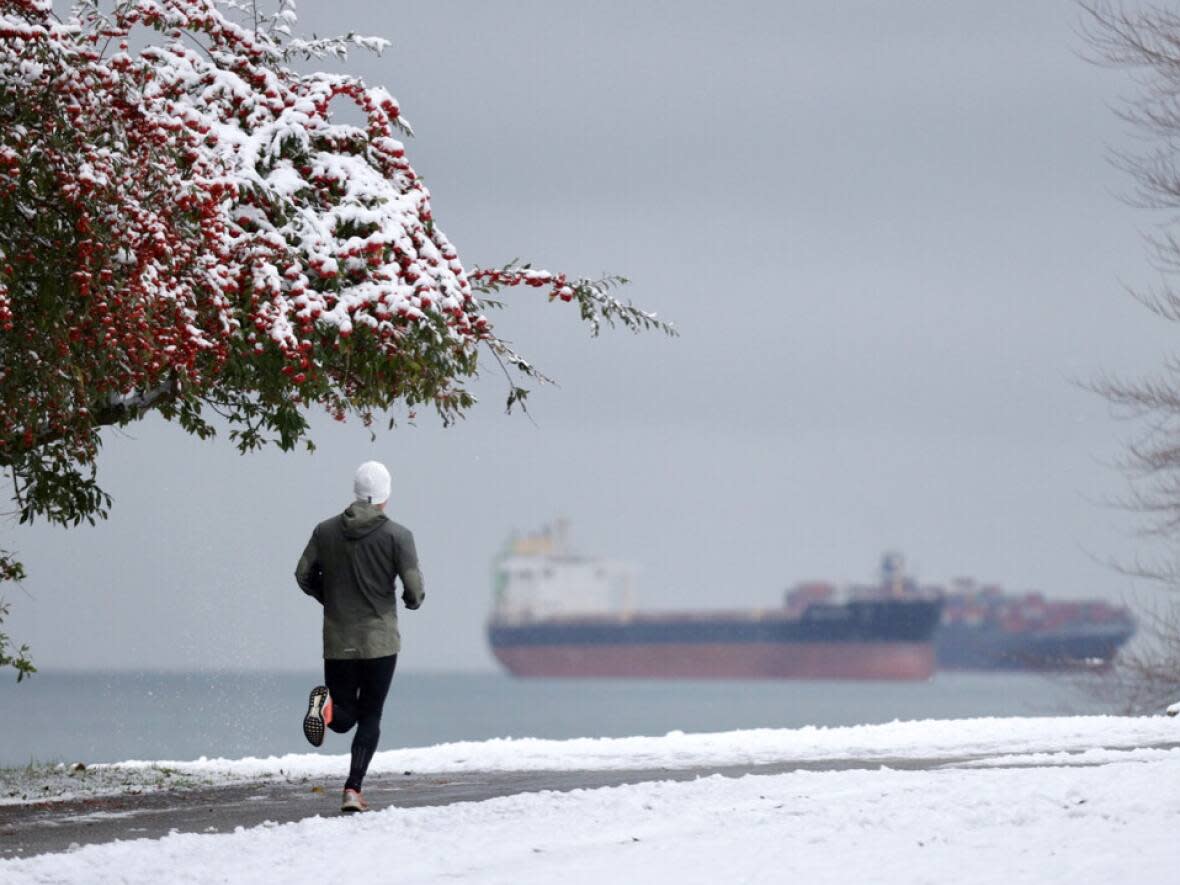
column 185, row 227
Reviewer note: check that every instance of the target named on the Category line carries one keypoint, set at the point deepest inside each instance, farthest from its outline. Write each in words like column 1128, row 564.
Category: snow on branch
column 594, row 297
column 181, row 211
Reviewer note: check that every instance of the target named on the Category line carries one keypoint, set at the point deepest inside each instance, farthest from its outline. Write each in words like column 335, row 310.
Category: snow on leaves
column 194, row 204
column 187, row 224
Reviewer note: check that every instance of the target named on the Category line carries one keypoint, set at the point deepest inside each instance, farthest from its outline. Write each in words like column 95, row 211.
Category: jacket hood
column 360, row 519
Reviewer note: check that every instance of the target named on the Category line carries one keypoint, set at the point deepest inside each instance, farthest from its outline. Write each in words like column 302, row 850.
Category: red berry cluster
column 494, row 278
column 173, row 215
column 190, row 216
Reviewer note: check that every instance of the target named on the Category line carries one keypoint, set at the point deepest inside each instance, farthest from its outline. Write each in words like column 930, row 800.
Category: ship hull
column 796, row 660
column 858, row 640
column 960, row 647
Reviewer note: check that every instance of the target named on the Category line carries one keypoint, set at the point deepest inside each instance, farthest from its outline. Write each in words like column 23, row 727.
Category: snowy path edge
column 930, row 738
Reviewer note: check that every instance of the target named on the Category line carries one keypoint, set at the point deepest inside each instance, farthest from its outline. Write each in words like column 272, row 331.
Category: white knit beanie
column 371, row 483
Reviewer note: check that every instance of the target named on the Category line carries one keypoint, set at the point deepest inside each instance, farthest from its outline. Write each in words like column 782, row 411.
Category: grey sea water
column 114, row 716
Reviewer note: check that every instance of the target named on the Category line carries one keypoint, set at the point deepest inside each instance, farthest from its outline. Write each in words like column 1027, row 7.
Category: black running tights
column 358, row 689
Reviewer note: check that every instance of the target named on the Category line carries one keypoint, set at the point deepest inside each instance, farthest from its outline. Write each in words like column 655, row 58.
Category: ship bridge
column 538, row 576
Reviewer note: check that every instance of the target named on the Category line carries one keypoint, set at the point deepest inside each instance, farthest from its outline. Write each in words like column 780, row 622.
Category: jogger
column 350, row 566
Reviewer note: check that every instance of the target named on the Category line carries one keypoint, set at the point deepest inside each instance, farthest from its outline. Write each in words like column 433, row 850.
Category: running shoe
column 353, row 802
column 319, row 714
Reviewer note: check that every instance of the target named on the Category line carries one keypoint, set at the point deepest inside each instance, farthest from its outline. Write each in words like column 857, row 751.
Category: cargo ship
column 559, row 614
column 984, row 628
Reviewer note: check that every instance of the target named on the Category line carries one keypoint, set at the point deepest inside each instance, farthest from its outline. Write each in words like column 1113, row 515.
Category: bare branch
column 1145, row 41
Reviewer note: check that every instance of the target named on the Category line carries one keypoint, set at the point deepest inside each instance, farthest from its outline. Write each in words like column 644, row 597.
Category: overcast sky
column 892, row 243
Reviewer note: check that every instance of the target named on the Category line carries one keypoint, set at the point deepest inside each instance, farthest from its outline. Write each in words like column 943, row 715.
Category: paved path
column 57, row 826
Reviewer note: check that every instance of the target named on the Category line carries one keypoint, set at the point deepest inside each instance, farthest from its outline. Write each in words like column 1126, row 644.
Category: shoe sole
column 313, row 722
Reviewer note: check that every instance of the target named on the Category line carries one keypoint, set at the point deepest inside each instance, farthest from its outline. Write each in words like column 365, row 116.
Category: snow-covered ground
column 1078, row 800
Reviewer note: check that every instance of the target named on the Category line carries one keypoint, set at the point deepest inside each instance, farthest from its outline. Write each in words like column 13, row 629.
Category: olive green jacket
column 349, row 566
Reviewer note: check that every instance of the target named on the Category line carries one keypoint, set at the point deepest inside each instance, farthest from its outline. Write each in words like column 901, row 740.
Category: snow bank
column 923, row 739
column 1077, row 825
